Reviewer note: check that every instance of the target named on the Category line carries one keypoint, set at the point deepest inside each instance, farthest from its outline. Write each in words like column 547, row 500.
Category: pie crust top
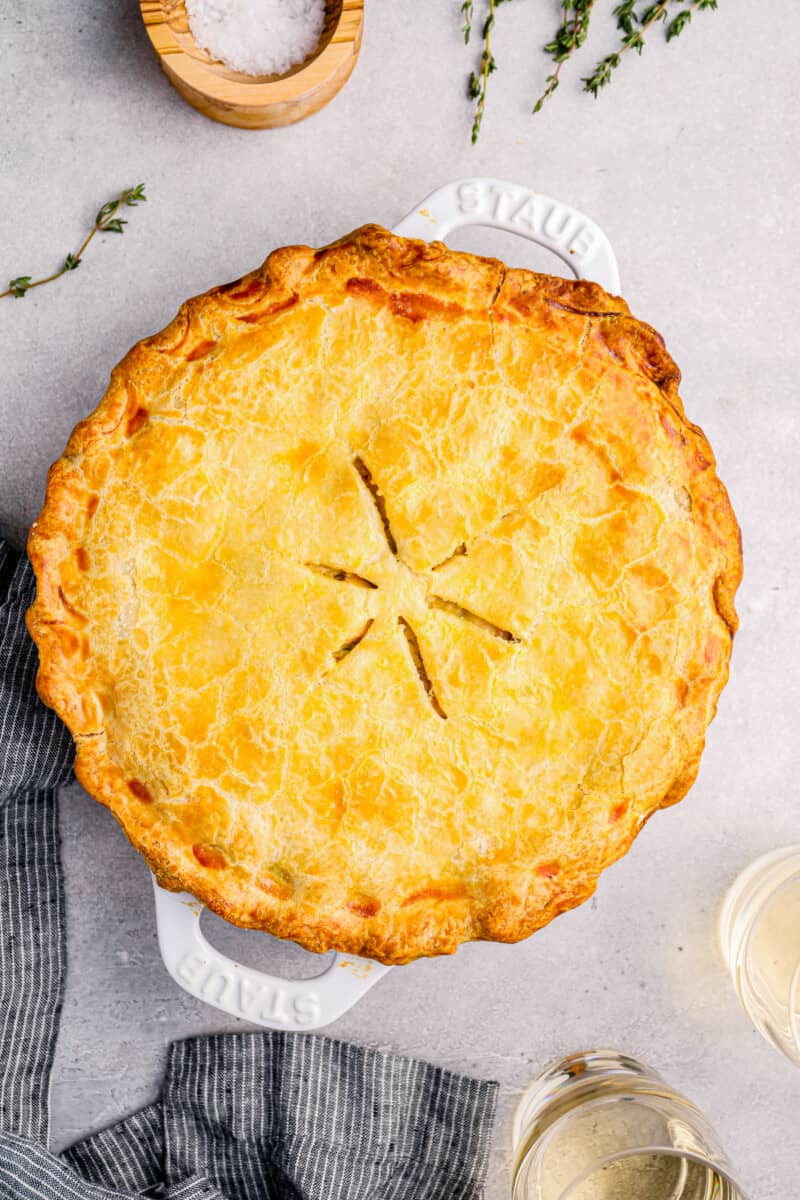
column 387, row 592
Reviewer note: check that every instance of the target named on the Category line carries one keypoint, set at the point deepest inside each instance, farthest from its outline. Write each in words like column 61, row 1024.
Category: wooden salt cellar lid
column 255, row 101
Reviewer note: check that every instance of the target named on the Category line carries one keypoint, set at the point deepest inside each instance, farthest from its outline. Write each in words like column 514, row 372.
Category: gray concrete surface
column 690, row 163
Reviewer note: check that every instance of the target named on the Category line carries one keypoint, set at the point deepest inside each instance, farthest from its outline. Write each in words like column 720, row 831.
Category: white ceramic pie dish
column 298, row 1005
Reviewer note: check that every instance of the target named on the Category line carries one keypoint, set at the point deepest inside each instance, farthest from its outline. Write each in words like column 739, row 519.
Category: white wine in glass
column 603, row 1126
column 760, row 939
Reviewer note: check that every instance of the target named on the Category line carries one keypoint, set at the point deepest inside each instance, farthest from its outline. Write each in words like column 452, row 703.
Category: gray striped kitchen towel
column 264, row 1116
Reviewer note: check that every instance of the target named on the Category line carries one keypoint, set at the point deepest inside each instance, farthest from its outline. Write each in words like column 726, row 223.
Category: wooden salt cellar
column 255, row 101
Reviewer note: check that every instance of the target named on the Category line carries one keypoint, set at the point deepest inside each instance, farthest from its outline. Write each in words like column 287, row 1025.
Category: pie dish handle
column 255, row 996
column 574, row 237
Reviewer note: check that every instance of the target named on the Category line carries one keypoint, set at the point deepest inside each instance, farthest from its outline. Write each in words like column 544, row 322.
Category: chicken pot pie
column 387, row 593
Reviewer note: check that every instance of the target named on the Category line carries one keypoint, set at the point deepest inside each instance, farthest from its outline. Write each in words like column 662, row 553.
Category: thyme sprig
column 634, row 20
column 106, row 221
column 633, row 40
column 569, row 38
column 479, row 80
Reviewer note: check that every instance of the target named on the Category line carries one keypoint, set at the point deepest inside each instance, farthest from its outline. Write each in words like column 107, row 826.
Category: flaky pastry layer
column 386, row 593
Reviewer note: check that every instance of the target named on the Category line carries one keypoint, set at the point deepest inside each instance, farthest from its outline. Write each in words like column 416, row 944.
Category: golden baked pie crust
column 386, row 594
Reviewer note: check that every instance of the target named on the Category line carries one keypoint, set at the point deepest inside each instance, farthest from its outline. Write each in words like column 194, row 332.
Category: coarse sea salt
column 257, row 37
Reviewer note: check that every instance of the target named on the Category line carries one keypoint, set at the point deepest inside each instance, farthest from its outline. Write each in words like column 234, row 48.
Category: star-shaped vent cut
column 405, row 594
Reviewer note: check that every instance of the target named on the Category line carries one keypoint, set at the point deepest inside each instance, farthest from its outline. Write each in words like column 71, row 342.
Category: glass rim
column 746, row 892
column 793, row 1009
column 667, row 1151
column 671, row 1098
column 617, row 1063
column 743, row 897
